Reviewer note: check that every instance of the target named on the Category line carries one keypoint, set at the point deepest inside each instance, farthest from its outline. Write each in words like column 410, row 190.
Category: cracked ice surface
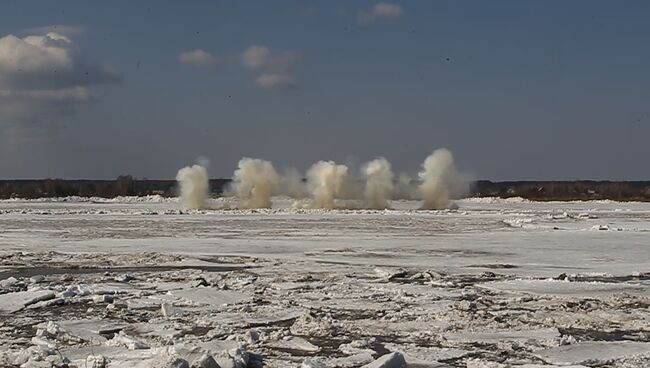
column 497, row 283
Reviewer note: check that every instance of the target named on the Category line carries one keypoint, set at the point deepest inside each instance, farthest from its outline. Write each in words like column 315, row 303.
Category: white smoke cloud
column 194, row 186
column 292, row 184
column 325, row 180
column 440, row 181
column 406, row 188
column 254, row 182
column 329, row 185
column 379, row 184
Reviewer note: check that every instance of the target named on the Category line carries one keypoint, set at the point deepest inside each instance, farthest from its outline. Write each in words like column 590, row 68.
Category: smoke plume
column 440, row 181
column 254, row 182
column 194, row 186
column 379, row 184
column 406, row 188
column 325, row 179
column 292, row 184
column 329, row 185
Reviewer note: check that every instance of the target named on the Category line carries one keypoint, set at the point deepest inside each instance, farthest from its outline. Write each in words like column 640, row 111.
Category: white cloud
column 47, row 62
column 380, row 11
column 275, row 67
column 262, row 58
column 45, row 76
column 197, row 57
column 62, row 29
column 78, row 94
column 272, row 80
column 256, row 57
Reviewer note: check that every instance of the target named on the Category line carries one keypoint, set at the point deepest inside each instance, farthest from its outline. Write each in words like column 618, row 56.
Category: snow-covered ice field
column 134, row 282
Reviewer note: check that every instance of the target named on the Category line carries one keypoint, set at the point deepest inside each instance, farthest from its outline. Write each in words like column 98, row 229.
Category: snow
column 392, row 360
column 209, row 296
column 594, row 352
column 16, row 301
column 567, row 288
column 76, row 199
column 295, row 343
column 548, row 334
column 135, row 282
column 423, row 355
column 91, row 330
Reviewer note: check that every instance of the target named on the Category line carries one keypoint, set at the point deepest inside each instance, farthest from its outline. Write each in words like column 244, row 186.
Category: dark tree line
column 565, row 190
column 126, row 185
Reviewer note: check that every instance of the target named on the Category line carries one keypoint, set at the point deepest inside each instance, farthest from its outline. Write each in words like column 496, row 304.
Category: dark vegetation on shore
column 128, row 186
column 578, row 190
column 124, row 185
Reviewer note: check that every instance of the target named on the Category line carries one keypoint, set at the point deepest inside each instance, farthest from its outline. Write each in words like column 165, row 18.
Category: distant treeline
column 564, row 190
column 124, row 185
column 128, row 186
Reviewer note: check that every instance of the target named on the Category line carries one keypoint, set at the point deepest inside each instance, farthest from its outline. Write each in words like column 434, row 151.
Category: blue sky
column 515, row 89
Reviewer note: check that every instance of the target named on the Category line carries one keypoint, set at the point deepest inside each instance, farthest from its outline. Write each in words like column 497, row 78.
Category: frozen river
column 493, row 282
column 523, row 238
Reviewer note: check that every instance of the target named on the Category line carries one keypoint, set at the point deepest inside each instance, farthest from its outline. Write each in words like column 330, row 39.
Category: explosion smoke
column 325, row 180
column 405, row 188
column 440, row 180
column 329, row 185
column 293, row 185
column 379, row 184
column 254, row 182
column 194, row 186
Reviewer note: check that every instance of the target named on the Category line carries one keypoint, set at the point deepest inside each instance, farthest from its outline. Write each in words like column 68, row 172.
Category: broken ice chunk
column 13, row 302
column 122, row 339
column 210, row 296
column 593, row 352
column 294, row 343
column 392, row 360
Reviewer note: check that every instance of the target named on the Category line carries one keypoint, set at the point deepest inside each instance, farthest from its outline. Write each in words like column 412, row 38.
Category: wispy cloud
column 273, row 80
column 380, row 12
column 197, row 57
column 275, row 67
column 261, row 57
column 62, row 29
